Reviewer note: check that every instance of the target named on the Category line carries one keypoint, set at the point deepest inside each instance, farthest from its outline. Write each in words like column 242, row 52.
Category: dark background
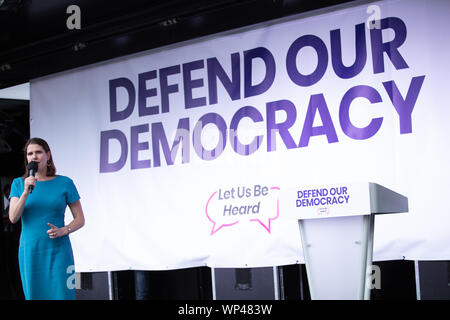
column 35, row 41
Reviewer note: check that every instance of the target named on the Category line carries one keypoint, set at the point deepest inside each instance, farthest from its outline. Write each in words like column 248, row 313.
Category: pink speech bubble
column 269, row 221
column 214, row 230
column 217, row 226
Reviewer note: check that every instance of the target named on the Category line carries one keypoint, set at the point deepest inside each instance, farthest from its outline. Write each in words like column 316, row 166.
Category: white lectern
column 336, row 227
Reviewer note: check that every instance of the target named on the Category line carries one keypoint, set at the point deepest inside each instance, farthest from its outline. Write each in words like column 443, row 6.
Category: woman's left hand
column 55, row 232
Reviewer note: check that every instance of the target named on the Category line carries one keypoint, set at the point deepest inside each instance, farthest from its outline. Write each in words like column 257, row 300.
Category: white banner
column 179, row 153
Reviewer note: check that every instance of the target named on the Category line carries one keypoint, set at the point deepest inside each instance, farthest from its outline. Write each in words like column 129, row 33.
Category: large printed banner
column 180, row 153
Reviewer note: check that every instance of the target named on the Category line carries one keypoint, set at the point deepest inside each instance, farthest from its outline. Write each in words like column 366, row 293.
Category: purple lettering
column 126, row 83
column 167, row 89
column 360, row 52
column 391, row 47
column 281, row 128
column 136, row 146
column 238, row 147
column 219, row 122
column 232, row 86
column 266, row 56
column 105, row 138
column 159, row 139
column 344, row 112
column 405, row 106
column 190, row 84
column 291, row 60
column 145, row 93
column 317, row 103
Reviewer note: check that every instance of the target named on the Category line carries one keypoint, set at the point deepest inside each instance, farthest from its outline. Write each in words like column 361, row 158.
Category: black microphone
column 32, row 168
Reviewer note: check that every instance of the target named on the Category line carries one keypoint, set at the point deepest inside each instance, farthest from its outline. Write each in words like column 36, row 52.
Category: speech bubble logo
column 267, row 225
column 228, row 206
column 216, row 224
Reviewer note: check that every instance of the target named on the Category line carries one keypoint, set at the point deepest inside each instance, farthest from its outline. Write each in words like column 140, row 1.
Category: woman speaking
column 40, row 198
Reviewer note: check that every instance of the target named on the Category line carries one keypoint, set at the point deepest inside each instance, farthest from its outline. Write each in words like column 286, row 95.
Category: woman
column 45, row 252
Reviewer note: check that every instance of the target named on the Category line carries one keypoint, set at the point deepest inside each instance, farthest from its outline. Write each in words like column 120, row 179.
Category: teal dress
column 46, row 265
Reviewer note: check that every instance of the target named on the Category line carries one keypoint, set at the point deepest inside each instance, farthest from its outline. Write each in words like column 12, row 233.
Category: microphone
column 32, row 168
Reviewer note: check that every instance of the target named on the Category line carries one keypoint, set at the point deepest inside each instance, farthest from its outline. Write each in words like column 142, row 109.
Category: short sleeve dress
column 46, row 264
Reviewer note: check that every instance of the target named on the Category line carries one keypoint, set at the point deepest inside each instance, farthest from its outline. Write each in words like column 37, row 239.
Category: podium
column 337, row 226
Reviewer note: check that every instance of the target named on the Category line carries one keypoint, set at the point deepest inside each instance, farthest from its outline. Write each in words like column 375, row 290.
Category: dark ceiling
column 14, row 131
column 35, row 41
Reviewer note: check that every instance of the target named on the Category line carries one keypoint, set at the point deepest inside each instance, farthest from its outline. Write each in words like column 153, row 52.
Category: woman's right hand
column 29, row 181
